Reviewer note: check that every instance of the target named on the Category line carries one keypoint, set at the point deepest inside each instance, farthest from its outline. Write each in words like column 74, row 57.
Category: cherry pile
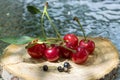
column 72, row 48
column 68, row 47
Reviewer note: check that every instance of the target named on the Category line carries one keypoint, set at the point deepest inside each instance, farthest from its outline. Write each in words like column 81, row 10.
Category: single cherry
column 65, row 53
column 89, row 45
column 71, row 40
column 52, row 53
column 80, row 56
column 37, row 50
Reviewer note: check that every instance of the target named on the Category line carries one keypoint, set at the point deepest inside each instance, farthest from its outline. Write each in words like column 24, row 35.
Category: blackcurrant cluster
column 65, row 68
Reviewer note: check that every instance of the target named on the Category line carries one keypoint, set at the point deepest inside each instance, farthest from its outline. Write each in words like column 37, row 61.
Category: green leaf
column 17, row 40
column 33, row 9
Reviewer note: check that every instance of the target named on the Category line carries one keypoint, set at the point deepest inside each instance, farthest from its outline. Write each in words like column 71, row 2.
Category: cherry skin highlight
column 52, row 53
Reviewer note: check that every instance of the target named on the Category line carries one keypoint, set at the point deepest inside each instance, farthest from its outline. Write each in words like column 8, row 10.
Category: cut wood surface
column 17, row 62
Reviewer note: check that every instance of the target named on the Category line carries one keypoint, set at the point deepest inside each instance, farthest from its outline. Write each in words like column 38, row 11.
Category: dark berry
column 45, row 68
column 60, row 69
column 66, row 65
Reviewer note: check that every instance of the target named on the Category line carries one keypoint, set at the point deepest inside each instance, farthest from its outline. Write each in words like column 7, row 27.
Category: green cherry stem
column 74, row 51
column 42, row 25
column 77, row 20
column 54, row 27
column 55, row 39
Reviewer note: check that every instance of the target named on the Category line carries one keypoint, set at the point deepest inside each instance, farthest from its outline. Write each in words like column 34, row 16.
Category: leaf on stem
column 33, row 9
column 17, row 40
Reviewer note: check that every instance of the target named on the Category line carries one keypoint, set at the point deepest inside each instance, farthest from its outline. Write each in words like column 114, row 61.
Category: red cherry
column 80, row 56
column 89, row 45
column 71, row 40
column 36, row 51
column 52, row 53
column 65, row 53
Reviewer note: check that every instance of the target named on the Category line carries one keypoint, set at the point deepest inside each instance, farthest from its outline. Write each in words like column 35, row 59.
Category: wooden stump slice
column 18, row 65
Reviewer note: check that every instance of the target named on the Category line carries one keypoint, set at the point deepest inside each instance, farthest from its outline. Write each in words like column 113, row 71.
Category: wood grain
column 104, row 59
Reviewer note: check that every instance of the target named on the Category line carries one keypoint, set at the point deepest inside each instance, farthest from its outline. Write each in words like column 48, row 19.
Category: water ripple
column 98, row 17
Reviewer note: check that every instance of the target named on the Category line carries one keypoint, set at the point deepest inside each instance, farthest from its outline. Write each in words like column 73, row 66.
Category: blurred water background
column 98, row 17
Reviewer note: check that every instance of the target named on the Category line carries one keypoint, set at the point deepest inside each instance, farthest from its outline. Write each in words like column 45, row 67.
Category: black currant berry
column 60, row 69
column 66, row 65
column 45, row 68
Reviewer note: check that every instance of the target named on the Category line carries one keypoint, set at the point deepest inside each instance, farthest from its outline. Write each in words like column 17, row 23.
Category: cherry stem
column 73, row 51
column 54, row 27
column 56, row 39
column 77, row 20
column 42, row 25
